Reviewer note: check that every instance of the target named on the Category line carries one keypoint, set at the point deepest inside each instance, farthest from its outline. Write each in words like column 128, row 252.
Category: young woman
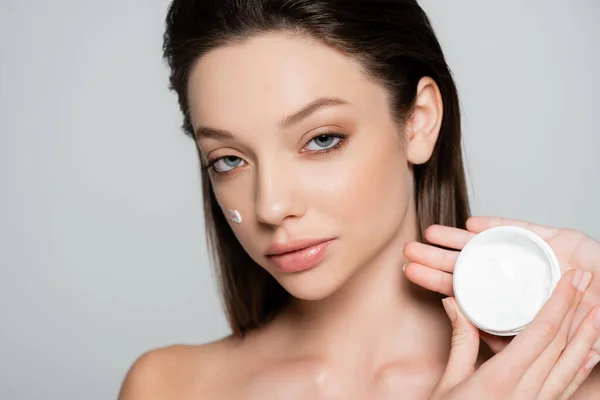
column 329, row 137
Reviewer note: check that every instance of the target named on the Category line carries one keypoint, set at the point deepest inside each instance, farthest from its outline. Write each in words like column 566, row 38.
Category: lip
column 298, row 255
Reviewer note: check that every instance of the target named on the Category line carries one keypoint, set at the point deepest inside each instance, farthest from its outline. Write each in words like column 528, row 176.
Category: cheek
column 234, row 195
column 367, row 185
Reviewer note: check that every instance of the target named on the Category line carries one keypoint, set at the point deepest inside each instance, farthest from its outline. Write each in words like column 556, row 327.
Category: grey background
column 103, row 253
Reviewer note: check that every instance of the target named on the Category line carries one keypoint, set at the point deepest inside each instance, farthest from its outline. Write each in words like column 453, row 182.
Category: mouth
column 299, row 255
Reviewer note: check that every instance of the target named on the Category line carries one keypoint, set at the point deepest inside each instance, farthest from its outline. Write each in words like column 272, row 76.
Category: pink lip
column 300, row 256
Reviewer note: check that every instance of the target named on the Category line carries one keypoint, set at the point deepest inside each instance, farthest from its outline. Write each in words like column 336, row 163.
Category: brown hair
column 396, row 45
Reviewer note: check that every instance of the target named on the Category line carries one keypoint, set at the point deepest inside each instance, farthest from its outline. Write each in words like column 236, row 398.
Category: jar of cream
column 503, row 277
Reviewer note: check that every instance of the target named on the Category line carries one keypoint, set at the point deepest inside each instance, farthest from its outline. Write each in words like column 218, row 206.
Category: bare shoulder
column 178, row 371
column 590, row 389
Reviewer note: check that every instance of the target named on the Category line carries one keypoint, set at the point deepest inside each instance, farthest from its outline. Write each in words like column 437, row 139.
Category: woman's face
column 303, row 145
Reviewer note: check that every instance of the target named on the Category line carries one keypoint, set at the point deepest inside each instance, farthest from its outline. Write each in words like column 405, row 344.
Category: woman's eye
column 322, row 142
column 227, row 163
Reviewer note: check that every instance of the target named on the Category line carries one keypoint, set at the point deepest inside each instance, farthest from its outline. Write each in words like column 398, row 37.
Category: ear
column 423, row 125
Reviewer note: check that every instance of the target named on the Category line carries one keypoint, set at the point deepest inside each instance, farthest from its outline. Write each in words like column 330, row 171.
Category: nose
column 277, row 195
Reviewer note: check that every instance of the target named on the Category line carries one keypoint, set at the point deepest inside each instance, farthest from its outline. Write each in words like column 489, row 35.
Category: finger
column 480, row 224
column 431, row 256
column 591, row 361
column 580, row 316
column 573, row 359
column 429, row 278
column 496, row 343
column 446, row 236
column 538, row 373
column 530, row 343
column 464, row 349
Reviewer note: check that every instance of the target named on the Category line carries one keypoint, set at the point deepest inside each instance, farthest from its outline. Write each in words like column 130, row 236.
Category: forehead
column 269, row 76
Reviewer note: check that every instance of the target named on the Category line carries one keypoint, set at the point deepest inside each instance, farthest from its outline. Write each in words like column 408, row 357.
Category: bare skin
column 233, row 369
column 276, row 363
column 357, row 329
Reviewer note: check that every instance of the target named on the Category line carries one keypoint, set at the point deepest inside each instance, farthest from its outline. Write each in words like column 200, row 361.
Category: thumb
column 465, row 347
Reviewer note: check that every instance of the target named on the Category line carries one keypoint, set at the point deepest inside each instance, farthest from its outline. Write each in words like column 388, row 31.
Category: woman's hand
column 540, row 363
column 432, row 267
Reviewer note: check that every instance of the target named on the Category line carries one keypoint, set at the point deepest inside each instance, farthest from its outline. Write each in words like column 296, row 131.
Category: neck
column 377, row 318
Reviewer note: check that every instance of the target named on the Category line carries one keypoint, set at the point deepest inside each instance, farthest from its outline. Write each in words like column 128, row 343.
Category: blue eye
column 323, row 142
column 225, row 164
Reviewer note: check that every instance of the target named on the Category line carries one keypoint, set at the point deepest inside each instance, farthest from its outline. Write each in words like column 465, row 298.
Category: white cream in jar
column 503, row 277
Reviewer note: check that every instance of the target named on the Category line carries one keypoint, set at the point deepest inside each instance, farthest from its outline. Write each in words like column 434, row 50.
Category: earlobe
column 423, row 125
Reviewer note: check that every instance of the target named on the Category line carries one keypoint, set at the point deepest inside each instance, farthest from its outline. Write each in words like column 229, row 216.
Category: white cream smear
column 503, row 277
column 233, row 215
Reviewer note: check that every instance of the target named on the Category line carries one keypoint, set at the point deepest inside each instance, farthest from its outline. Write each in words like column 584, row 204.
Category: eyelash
column 338, row 146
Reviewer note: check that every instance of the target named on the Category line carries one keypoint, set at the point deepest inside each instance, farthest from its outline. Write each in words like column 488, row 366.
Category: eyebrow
column 310, row 109
column 293, row 119
column 207, row 132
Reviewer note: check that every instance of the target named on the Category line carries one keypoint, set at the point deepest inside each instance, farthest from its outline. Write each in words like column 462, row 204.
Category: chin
column 316, row 284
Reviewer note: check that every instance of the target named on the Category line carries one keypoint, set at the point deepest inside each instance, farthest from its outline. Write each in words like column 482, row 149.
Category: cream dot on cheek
column 233, row 215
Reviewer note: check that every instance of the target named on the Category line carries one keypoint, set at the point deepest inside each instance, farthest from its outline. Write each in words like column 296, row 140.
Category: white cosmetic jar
column 503, row 277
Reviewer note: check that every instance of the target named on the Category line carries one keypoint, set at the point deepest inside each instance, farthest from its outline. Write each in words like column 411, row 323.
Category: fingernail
column 577, row 277
column 592, row 361
column 596, row 318
column 585, row 281
column 449, row 310
column 404, row 267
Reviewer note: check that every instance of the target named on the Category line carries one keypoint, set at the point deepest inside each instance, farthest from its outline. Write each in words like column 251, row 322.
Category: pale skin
column 431, row 267
column 358, row 328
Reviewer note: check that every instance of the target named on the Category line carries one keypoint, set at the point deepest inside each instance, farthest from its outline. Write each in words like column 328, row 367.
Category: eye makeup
column 341, row 138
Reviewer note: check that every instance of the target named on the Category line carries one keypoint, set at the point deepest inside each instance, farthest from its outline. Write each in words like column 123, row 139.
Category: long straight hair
column 394, row 42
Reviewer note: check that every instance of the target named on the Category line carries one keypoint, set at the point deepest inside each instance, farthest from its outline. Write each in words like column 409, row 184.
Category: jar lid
column 503, row 277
